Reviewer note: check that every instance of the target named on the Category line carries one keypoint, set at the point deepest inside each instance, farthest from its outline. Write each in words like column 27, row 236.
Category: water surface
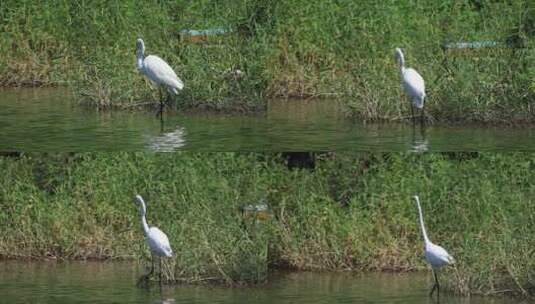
column 49, row 120
column 94, row 282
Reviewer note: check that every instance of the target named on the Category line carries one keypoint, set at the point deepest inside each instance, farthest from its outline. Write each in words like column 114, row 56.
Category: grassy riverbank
column 341, row 49
column 353, row 212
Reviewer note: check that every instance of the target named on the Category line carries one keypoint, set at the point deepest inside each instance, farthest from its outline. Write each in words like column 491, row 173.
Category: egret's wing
column 160, row 239
column 414, row 82
column 442, row 254
column 160, row 72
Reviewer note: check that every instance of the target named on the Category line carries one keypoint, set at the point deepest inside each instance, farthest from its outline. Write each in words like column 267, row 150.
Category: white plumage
column 156, row 239
column 413, row 83
column 158, row 242
column 157, row 70
column 435, row 255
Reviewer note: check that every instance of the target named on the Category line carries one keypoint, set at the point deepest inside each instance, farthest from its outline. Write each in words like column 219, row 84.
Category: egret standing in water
column 413, row 83
column 435, row 255
column 156, row 239
column 158, row 71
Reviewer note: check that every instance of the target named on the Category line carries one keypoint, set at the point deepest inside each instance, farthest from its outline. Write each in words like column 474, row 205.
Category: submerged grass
column 352, row 212
column 342, row 49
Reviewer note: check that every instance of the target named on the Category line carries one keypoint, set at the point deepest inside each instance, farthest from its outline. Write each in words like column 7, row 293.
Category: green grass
column 352, row 213
column 341, row 49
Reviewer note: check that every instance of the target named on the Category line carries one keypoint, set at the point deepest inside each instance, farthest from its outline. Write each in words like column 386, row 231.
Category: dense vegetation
column 352, row 212
column 342, row 49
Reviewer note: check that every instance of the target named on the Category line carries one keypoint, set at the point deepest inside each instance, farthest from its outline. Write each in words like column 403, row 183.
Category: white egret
column 413, row 83
column 158, row 71
column 156, row 239
column 435, row 255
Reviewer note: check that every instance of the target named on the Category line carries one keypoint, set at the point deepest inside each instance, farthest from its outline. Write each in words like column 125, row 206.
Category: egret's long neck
column 401, row 61
column 424, row 233
column 143, row 219
column 140, row 57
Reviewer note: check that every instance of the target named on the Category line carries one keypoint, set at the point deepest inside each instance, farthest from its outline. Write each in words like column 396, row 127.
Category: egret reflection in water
column 419, row 143
column 168, row 141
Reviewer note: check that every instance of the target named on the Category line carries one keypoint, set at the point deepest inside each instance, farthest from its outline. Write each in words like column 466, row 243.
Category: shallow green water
column 93, row 282
column 48, row 120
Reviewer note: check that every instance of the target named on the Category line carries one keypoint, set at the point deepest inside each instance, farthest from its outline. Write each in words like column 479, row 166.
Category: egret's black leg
column 160, row 271
column 433, row 290
column 161, row 123
column 422, row 116
column 160, row 111
column 168, row 99
column 413, row 133
column 412, row 113
column 438, row 285
column 152, row 265
column 142, row 281
column 161, row 93
column 435, row 286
